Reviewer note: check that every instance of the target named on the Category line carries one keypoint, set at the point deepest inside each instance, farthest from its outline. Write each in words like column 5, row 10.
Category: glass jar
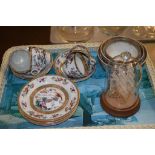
column 121, row 97
column 113, row 30
column 143, row 32
column 76, row 33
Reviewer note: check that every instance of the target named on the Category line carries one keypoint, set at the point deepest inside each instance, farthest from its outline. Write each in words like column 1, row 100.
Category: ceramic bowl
column 116, row 45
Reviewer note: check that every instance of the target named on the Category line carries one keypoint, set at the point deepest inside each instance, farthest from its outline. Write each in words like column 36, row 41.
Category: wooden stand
column 119, row 112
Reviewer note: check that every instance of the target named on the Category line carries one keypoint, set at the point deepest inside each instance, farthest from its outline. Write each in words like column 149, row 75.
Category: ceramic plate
column 48, row 100
column 61, row 58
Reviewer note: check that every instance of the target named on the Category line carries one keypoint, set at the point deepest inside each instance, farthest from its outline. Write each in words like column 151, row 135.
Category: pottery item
column 48, row 100
column 117, row 45
column 40, row 63
column 74, row 64
column 20, row 61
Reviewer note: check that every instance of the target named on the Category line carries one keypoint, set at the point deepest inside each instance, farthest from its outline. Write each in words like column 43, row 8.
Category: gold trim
column 87, row 54
column 62, row 69
column 76, row 66
column 62, row 47
column 118, row 38
column 42, row 73
column 46, row 86
column 49, row 120
column 61, row 73
column 73, row 50
column 103, row 60
column 49, row 123
column 35, row 53
column 60, row 118
column 108, row 58
column 84, row 64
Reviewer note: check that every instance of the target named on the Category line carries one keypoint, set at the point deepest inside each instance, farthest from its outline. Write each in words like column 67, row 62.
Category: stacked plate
column 76, row 64
column 30, row 63
column 117, row 47
column 48, row 100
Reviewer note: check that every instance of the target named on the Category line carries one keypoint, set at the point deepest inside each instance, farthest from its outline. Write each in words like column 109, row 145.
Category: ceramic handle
column 82, row 47
column 83, row 50
column 35, row 72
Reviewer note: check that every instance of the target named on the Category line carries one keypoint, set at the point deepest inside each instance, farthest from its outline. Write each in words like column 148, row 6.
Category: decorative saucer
column 85, row 68
column 40, row 63
column 48, row 100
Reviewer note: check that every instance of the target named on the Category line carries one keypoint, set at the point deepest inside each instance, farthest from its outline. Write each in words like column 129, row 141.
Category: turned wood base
column 119, row 112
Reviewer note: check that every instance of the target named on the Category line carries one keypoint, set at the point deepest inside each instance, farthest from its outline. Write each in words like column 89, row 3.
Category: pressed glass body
column 123, row 84
column 112, row 30
column 76, row 33
column 144, row 31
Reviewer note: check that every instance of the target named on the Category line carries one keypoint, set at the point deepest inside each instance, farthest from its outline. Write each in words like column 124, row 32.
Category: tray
column 89, row 114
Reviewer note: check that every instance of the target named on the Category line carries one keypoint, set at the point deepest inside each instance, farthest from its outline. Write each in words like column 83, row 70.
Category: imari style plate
column 71, row 70
column 48, row 100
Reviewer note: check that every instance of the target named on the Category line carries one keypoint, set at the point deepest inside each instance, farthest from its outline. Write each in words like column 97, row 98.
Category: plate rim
column 60, row 118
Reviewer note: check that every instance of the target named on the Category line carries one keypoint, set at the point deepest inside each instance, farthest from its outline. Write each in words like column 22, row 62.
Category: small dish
column 109, row 50
column 48, row 100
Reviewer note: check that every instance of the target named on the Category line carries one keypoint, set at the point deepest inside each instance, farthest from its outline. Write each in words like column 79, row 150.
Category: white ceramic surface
column 116, row 48
column 60, row 60
column 70, row 67
column 20, row 61
column 50, row 94
column 38, row 60
column 79, row 63
column 38, row 68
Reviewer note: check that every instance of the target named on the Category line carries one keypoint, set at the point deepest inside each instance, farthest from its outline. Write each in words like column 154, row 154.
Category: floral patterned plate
column 60, row 70
column 48, row 100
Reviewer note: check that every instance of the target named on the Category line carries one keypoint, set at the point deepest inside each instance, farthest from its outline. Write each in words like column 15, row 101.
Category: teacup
column 74, row 67
column 29, row 61
column 20, row 61
column 77, row 62
column 38, row 60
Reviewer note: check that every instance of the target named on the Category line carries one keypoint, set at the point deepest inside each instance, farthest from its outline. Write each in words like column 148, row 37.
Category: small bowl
column 116, row 45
